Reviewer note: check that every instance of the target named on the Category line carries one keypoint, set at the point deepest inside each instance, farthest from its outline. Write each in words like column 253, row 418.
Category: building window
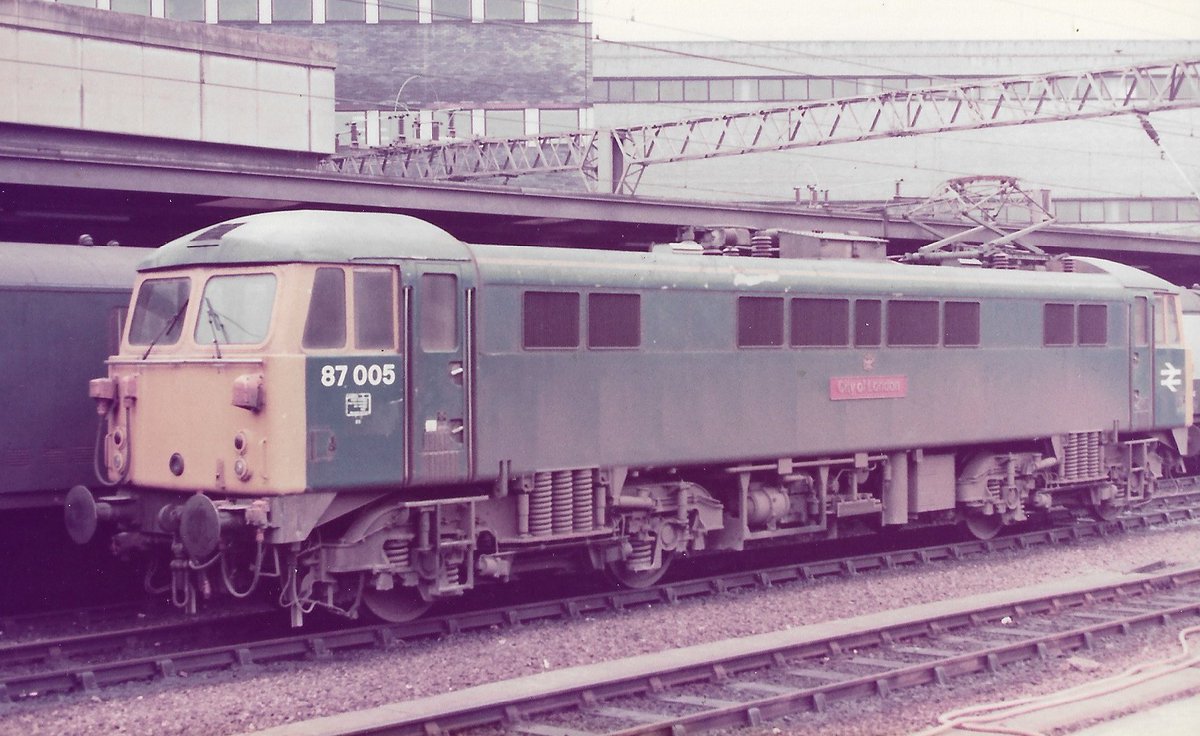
column 620, row 90
column 670, row 90
column 504, row 9
column 820, row 89
column 325, row 326
column 551, row 319
column 911, row 323
column 558, row 9
column 770, row 89
column 868, row 322
column 720, row 90
column 136, row 7
column 745, row 90
column 759, row 322
column 1058, row 324
column 795, row 89
column 451, row 10
column 1093, row 324
column 400, row 10
column 374, row 310
column 558, row 121
column 233, row 9
column 695, row 90
column 439, row 312
column 504, row 123
column 184, row 9
column 82, row 4
column 347, row 10
column 820, row 322
column 614, row 320
column 300, row 10
column 645, row 90
column 960, row 328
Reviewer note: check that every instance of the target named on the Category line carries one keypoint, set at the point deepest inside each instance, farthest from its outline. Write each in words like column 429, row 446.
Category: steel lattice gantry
column 619, row 157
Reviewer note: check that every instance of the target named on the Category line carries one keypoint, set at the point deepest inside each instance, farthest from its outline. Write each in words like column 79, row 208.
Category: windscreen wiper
column 215, row 324
column 169, row 326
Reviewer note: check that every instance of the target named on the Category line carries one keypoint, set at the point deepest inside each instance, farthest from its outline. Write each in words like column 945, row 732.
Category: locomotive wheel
column 983, row 527
column 395, row 606
column 638, row 579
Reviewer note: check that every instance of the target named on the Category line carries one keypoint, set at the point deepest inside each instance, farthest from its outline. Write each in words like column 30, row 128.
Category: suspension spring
column 541, row 502
column 584, row 500
column 397, row 552
column 641, row 557
column 563, row 502
column 1095, row 466
column 1071, row 459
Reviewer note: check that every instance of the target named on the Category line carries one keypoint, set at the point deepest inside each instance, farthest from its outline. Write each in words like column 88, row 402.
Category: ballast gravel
column 260, row 697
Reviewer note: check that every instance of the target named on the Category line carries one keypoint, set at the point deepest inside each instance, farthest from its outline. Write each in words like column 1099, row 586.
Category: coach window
column 1092, row 324
column 439, row 312
column 960, row 325
column 1058, row 324
column 550, row 319
column 912, row 323
column 614, row 320
column 374, row 309
column 236, row 309
column 326, row 323
column 158, row 312
column 759, row 322
column 820, row 322
column 868, row 321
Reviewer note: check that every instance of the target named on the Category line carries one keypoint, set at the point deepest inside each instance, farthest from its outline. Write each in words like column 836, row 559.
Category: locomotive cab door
column 1141, row 363
column 1172, row 377
column 1159, row 373
column 440, row 338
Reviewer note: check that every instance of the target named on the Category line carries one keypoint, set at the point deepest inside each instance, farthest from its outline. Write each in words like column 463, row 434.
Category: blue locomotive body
column 376, row 407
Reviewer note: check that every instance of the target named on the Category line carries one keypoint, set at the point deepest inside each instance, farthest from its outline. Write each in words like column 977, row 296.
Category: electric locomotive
column 360, row 411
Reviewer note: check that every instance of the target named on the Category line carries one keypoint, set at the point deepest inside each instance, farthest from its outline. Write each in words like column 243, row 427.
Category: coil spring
column 541, row 505
column 641, row 557
column 1094, row 460
column 397, row 552
column 584, row 500
column 563, row 503
column 1070, row 469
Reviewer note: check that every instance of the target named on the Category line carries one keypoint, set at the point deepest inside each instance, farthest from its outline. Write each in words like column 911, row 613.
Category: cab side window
column 374, row 309
column 326, row 323
column 439, row 312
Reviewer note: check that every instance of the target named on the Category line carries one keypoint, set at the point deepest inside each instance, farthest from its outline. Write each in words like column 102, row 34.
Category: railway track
column 88, row 662
column 751, row 681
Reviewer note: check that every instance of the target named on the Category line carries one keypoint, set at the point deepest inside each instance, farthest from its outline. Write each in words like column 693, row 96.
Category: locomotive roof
column 310, row 236
column 37, row 266
column 576, row 268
